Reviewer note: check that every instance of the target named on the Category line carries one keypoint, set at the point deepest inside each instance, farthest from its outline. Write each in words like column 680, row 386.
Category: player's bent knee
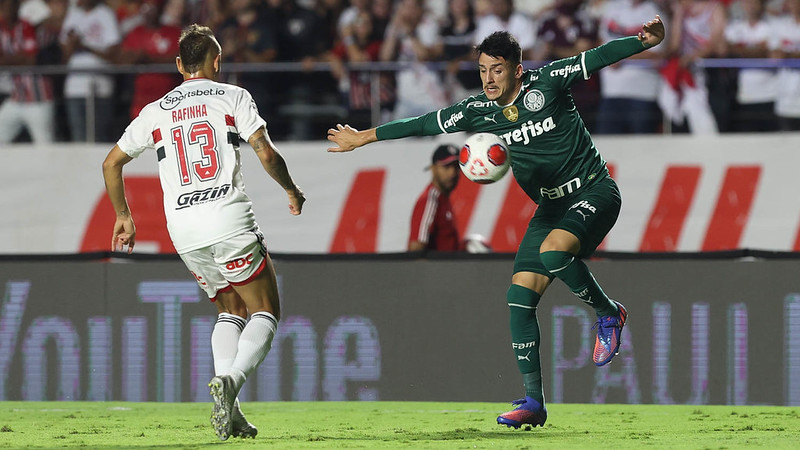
column 556, row 261
column 560, row 240
column 521, row 296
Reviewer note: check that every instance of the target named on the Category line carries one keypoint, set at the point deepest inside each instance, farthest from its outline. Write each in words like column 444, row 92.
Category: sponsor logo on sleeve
column 565, row 71
column 454, row 118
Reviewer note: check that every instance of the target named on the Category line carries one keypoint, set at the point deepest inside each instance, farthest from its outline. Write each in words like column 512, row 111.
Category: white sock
column 225, row 341
column 254, row 344
column 225, row 345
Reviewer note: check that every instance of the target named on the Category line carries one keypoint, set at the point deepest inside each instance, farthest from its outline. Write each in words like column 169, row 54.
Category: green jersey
column 552, row 153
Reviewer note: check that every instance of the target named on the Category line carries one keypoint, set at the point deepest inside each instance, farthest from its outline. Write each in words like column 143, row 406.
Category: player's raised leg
column 558, row 254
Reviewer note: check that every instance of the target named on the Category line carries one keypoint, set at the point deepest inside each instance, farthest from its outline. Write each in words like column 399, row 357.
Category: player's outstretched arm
column 124, row 232
column 348, row 138
column 652, row 32
column 275, row 166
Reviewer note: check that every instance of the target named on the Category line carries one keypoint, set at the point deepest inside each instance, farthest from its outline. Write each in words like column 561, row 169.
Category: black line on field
column 409, row 256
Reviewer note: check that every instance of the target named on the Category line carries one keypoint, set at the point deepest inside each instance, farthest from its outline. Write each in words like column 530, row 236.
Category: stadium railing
column 304, row 111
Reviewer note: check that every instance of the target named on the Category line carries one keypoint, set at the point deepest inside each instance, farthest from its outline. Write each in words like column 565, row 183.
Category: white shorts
column 232, row 262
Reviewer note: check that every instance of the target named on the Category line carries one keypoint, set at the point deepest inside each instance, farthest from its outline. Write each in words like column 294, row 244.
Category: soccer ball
column 484, row 158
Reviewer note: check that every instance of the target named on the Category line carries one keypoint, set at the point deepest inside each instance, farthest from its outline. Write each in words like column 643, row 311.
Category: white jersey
column 519, row 25
column 98, row 31
column 195, row 130
column 786, row 37
column 755, row 85
column 627, row 79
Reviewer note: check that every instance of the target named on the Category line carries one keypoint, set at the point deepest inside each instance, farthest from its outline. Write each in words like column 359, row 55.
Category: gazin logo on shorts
column 534, row 100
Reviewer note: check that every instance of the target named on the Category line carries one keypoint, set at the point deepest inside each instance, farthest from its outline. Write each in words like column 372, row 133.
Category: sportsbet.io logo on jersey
column 175, row 97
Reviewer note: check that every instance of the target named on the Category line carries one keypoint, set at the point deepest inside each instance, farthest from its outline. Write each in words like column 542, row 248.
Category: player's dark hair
column 194, row 45
column 501, row 44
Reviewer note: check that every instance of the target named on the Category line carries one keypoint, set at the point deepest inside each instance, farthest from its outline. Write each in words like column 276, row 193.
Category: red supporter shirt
column 361, row 81
column 433, row 222
column 21, row 39
column 155, row 43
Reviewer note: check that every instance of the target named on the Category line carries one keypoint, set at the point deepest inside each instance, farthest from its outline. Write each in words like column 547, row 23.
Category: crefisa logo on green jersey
column 453, row 119
column 528, row 131
column 564, row 71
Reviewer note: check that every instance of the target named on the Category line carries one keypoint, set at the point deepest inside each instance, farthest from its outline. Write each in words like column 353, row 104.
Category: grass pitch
column 396, row 425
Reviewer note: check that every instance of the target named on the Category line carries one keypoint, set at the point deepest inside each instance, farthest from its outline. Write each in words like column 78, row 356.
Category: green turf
column 397, row 425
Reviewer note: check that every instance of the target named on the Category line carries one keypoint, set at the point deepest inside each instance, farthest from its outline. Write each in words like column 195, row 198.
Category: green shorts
column 589, row 214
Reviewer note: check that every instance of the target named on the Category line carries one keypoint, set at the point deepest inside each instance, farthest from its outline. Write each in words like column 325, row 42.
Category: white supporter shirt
column 519, row 25
column 622, row 18
column 755, row 85
column 419, row 88
column 786, row 37
column 98, row 30
column 195, row 129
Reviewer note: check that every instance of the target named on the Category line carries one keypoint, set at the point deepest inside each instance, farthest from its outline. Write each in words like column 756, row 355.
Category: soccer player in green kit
column 556, row 163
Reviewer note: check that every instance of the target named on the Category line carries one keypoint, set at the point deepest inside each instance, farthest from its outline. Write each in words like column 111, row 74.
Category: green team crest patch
column 534, row 100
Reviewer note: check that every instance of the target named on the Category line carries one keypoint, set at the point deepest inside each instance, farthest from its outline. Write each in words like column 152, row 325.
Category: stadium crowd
column 426, row 50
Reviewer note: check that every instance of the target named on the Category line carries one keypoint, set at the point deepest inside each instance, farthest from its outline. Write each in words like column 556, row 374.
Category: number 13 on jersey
column 200, row 136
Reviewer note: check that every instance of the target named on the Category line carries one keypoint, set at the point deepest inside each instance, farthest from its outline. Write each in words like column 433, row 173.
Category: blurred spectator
column 483, row 8
column 358, row 46
column 300, row 37
column 381, row 13
column 349, row 14
column 457, row 35
column 89, row 38
column 181, row 13
column 129, row 15
column 413, row 37
column 329, row 12
column 504, row 17
column 248, row 38
column 30, row 105
column 785, row 43
column 47, row 33
column 697, row 31
column 433, row 224
column 150, row 43
column 629, row 92
column 33, row 11
column 567, row 31
column 748, row 37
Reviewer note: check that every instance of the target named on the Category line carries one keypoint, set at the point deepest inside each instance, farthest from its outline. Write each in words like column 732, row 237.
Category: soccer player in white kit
column 195, row 131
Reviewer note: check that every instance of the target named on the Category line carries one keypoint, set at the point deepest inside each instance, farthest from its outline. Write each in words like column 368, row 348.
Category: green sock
column 574, row 273
column 525, row 337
